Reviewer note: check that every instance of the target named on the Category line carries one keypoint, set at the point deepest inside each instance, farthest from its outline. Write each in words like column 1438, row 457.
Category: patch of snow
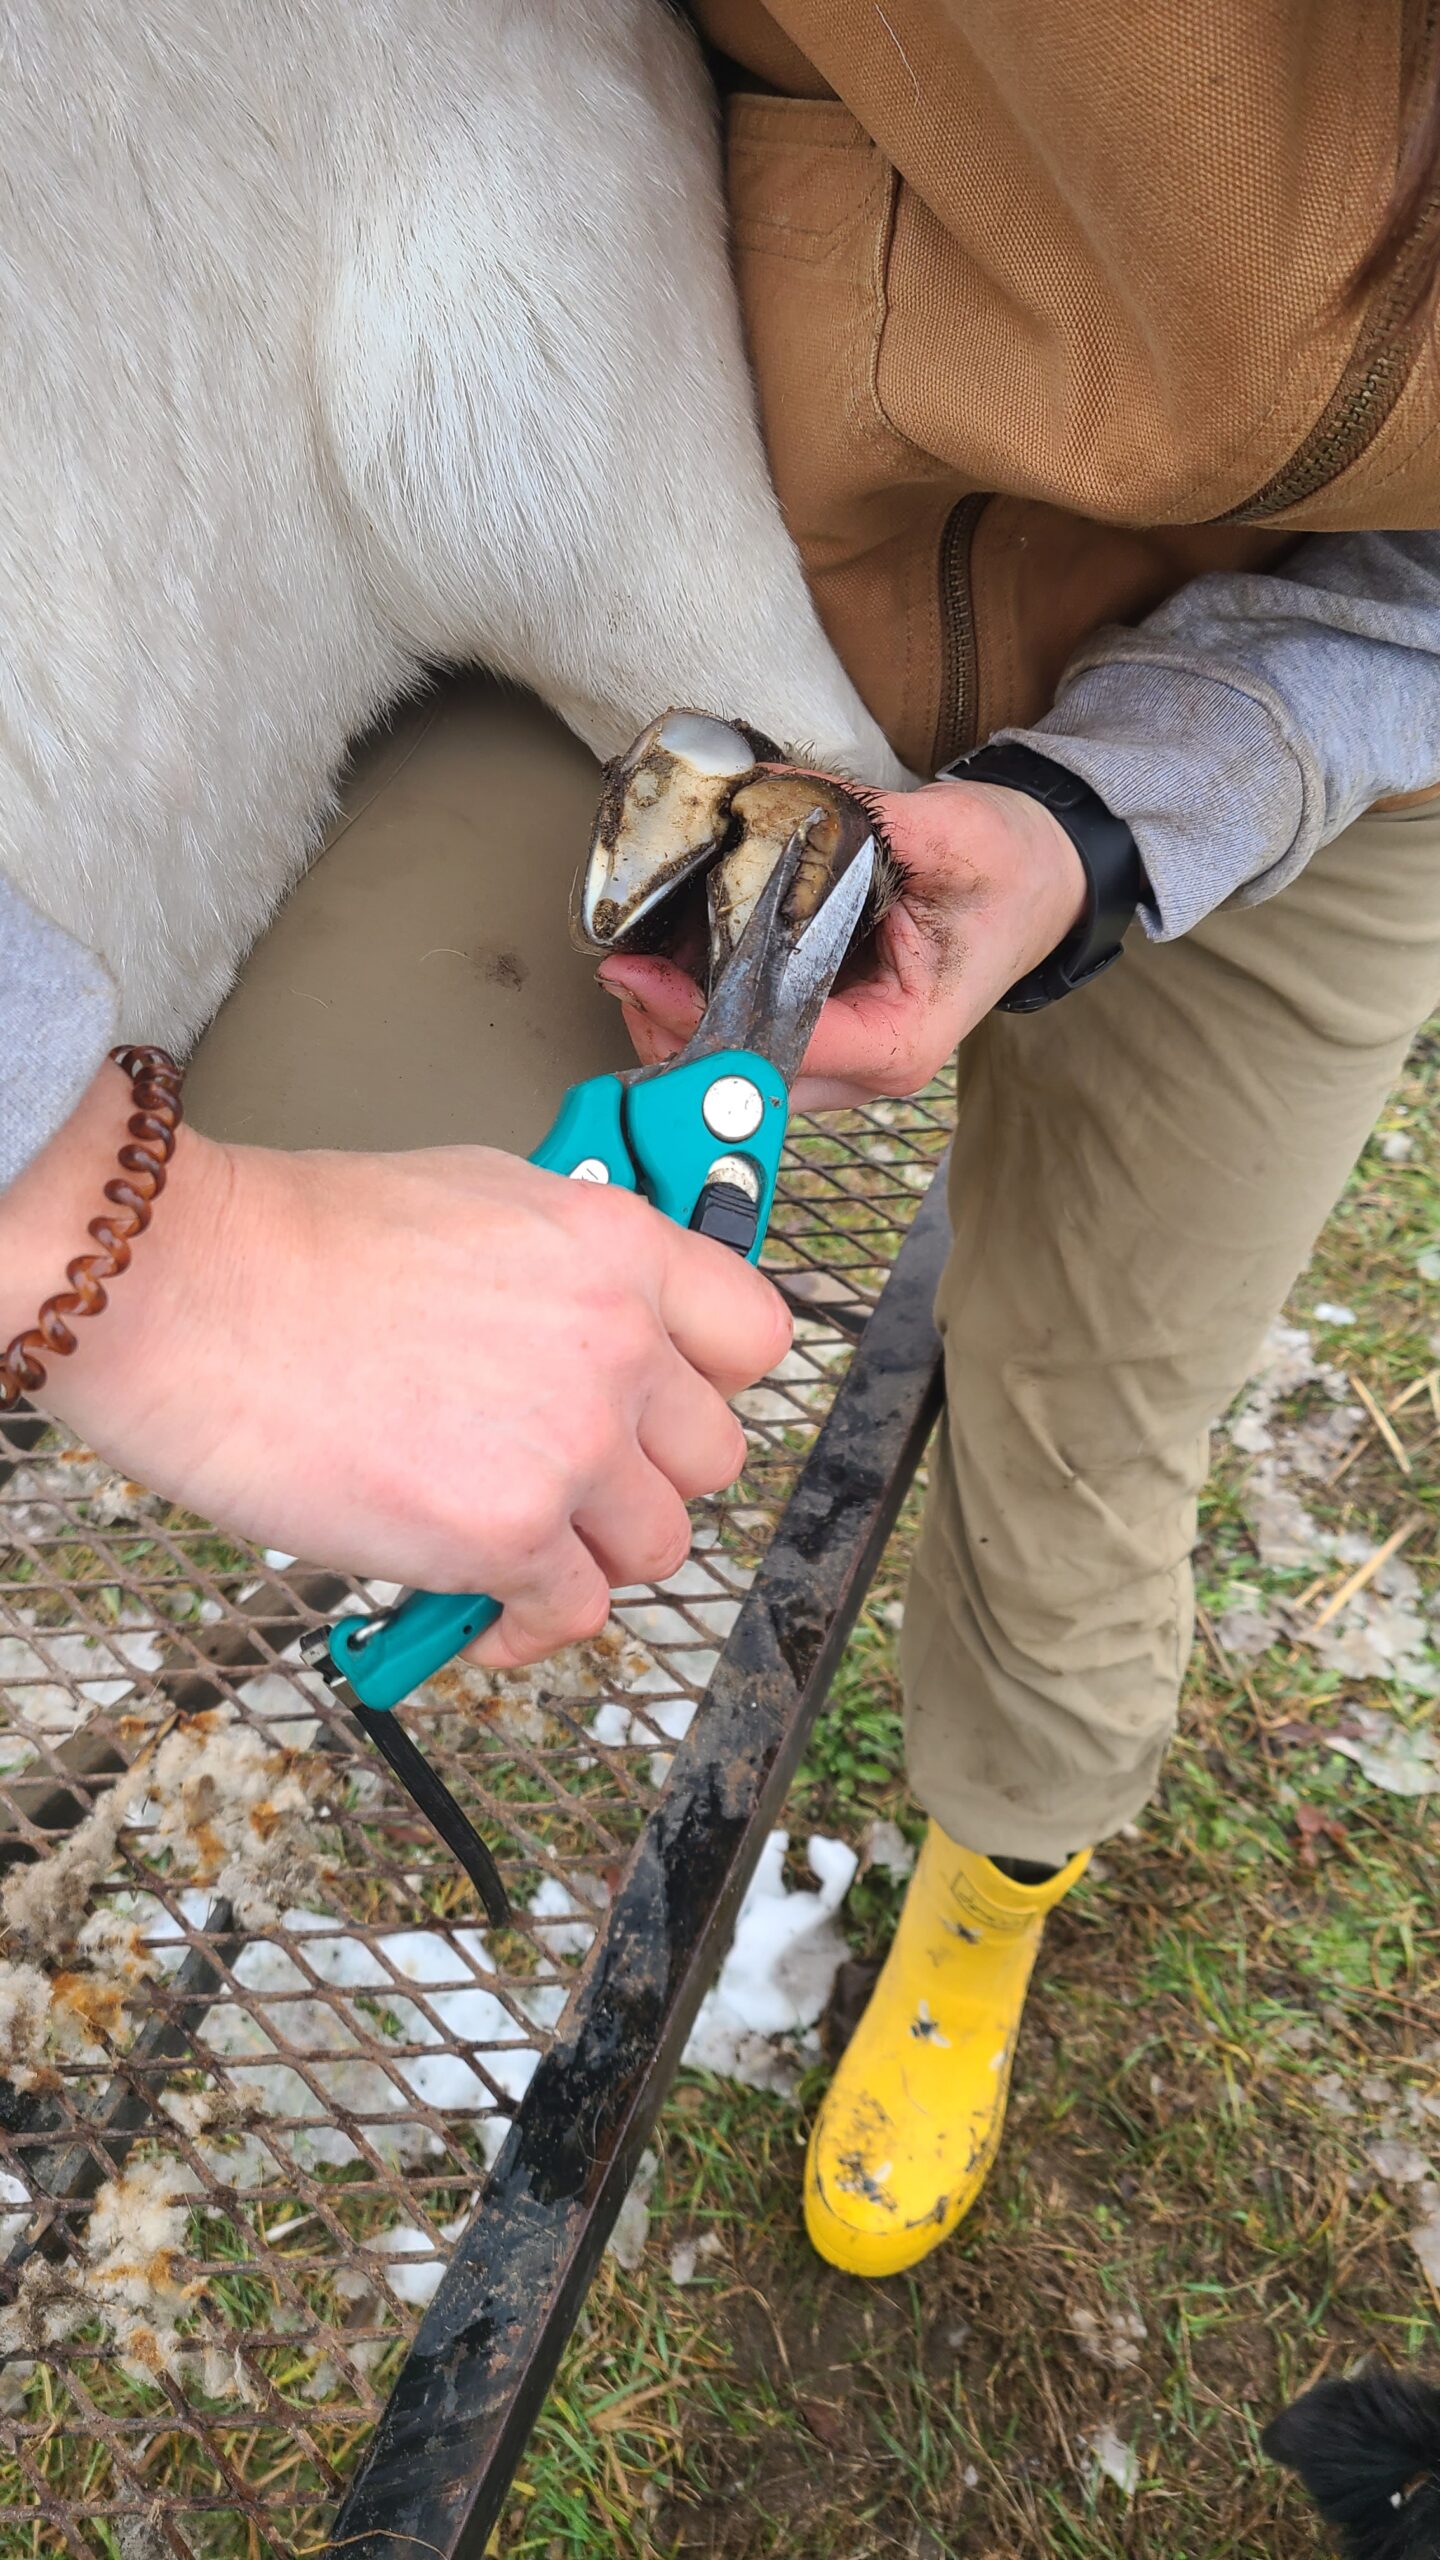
column 883, row 1845
column 1313, row 1449
column 54, row 1684
column 654, row 1623
column 13, row 2191
column 417, row 2280
column 671, row 1717
column 694, row 1666
column 626, row 2244
column 1328, row 1313
column 277, row 1699
column 756, row 2025
column 768, row 1404
column 571, row 1905
column 715, row 1617
column 1396, row 1147
column 1382, row 1633
column 284, row 2008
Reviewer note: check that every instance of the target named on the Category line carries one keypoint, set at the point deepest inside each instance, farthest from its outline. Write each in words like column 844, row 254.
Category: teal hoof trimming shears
column 700, row 1138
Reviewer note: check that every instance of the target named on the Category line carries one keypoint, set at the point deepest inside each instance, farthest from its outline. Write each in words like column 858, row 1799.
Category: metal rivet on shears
column 590, row 1169
column 733, row 1107
column 738, row 1172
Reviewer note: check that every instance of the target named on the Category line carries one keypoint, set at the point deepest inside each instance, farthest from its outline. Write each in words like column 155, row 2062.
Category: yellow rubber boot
column 912, row 2118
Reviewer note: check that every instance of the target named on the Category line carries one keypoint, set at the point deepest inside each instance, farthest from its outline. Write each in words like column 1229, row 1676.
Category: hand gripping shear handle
column 700, row 1138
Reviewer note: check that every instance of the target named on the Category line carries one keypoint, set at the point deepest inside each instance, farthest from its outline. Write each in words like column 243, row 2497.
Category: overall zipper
column 1379, row 365
column 1374, row 376
column 1356, row 411
column 959, row 685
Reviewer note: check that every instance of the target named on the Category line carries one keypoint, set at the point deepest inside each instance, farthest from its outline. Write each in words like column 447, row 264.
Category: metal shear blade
column 770, row 993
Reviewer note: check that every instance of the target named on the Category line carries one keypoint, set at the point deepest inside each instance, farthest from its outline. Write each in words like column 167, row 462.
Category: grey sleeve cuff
column 58, row 1008
column 1201, row 765
column 1254, row 716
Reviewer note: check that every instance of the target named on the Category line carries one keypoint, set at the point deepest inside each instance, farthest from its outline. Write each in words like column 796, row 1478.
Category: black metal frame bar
column 439, row 2466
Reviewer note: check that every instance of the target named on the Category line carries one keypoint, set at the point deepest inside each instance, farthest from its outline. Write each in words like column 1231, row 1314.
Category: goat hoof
column 664, row 812
column 689, row 802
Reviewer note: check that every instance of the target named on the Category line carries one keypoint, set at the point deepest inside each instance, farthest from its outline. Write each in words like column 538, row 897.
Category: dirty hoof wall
column 692, row 821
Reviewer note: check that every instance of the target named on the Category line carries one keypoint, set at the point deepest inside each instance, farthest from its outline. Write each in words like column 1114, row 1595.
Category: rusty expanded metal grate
column 258, row 2051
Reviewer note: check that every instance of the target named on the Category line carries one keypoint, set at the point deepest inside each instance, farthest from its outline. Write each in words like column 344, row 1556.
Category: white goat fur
column 337, row 337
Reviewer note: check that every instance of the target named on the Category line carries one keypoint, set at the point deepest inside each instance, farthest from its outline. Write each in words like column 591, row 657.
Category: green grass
column 1174, row 2146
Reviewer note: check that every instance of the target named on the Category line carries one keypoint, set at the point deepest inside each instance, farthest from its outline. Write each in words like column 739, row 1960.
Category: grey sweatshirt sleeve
column 1251, row 718
column 57, row 1019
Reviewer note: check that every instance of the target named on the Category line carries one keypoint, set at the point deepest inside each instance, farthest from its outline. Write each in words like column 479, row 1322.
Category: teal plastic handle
column 674, row 1148
column 589, row 1129
column 651, row 1136
column 385, row 1658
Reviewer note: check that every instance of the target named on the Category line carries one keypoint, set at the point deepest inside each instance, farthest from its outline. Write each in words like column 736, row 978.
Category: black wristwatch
column 1106, row 848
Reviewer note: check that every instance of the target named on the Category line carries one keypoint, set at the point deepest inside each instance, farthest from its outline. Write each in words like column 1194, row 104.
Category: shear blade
column 785, row 963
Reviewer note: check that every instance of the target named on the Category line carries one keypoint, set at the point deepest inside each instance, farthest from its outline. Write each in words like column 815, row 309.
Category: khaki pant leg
column 1139, row 1175
column 419, row 987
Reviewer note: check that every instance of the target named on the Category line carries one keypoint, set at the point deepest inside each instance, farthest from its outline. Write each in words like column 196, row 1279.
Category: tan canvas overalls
column 1048, row 314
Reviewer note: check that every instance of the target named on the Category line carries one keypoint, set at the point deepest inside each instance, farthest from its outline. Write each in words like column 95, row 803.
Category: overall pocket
column 813, row 204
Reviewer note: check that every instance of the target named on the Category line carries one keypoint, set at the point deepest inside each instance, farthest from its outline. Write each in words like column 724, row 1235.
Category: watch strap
column 1108, row 853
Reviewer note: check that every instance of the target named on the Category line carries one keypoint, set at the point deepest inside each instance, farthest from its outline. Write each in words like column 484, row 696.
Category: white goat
column 337, row 337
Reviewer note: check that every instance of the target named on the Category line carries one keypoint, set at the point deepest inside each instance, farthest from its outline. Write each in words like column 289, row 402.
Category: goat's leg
column 537, row 392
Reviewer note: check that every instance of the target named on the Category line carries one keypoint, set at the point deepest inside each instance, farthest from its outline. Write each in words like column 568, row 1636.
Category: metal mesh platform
column 260, row 2053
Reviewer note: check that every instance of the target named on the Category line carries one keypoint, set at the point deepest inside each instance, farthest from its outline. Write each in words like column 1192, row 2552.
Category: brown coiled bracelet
column 156, row 1082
